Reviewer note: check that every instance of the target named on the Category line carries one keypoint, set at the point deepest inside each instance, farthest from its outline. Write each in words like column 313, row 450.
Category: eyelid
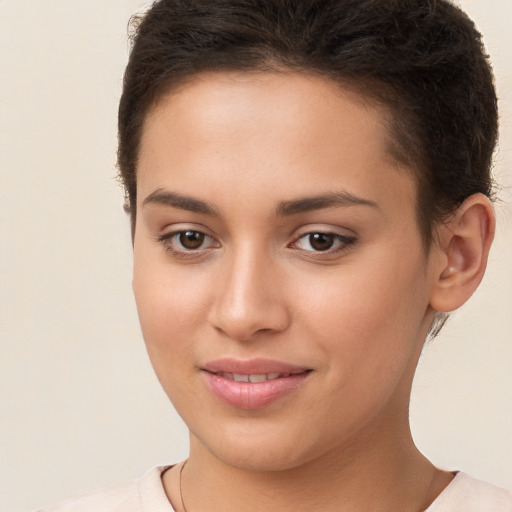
column 166, row 239
column 310, row 229
column 342, row 241
column 181, row 227
column 345, row 241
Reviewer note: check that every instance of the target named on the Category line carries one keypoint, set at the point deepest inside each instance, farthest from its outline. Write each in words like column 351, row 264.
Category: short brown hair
column 422, row 59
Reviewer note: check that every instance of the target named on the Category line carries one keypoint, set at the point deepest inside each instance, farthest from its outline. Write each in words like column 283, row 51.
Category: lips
column 252, row 384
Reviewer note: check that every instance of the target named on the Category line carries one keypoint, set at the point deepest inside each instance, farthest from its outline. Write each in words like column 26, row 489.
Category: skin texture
column 355, row 316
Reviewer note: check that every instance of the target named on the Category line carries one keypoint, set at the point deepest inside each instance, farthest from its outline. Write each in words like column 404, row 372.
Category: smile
column 253, row 378
column 252, row 384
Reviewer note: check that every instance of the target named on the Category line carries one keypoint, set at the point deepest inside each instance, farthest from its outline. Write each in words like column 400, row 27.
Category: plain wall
column 79, row 405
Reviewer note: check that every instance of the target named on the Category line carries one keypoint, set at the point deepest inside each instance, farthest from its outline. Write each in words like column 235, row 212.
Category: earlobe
column 462, row 250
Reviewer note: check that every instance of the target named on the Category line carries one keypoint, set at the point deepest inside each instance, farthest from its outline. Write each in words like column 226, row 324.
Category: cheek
column 370, row 316
column 170, row 317
column 171, row 309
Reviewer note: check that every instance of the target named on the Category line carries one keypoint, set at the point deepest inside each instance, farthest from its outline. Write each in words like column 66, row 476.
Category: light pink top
column 146, row 494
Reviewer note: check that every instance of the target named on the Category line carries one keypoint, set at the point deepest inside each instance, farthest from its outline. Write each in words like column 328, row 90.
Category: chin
column 259, row 449
column 266, row 459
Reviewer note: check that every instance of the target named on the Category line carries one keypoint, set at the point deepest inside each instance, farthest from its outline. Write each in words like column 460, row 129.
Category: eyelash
column 343, row 243
column 168, row 244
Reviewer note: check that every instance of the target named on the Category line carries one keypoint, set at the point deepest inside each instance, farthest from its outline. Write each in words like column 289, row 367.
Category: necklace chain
column 181, row 489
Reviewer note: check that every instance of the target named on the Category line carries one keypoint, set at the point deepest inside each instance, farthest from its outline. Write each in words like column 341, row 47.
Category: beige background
column 79, row 405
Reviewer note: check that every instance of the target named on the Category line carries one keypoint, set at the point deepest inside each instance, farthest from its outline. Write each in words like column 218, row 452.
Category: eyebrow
column 175, row 200
column 284, row 209
column 317, row 202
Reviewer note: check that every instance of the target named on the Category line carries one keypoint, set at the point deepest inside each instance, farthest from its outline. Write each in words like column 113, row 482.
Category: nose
column 250, row 298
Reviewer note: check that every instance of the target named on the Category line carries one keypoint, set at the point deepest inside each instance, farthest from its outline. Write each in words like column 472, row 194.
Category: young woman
column 309, row 190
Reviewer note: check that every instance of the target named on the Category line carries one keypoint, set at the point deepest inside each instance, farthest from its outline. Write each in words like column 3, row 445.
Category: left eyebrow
column 330, row 200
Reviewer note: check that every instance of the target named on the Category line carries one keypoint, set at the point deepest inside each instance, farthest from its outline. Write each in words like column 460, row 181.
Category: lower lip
column 252, row 395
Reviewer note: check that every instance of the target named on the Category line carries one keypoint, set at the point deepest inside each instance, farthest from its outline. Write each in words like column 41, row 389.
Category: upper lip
column 252, row 366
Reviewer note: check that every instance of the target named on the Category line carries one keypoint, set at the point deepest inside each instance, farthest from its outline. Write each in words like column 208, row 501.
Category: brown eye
column 317, row 242
column 321, row 241
column 191, row 240
column 188, row 243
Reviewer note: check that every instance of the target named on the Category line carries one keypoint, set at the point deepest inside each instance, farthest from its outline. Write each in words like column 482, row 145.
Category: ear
column 461, row 252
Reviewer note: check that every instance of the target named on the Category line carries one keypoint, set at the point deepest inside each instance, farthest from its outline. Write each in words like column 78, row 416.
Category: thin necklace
column 181, row 490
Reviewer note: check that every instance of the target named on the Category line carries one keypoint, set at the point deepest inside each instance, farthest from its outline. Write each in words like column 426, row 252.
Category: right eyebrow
column 182, row 202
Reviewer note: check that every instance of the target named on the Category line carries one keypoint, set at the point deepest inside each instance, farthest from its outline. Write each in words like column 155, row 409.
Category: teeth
column 257, row 378
column 237, row 377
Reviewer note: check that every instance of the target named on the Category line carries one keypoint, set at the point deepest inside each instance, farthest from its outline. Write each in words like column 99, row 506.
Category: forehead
column 280, row 132
column 297, row 103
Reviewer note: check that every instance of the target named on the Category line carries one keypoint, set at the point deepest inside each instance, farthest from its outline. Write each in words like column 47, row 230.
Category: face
column 279, row 273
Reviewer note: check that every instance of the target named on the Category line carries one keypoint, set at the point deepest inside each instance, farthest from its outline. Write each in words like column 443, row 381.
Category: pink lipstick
column 252, row 384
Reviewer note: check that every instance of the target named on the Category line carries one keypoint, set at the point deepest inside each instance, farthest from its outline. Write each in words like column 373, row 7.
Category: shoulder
column 466, row 494
column 146, row 493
